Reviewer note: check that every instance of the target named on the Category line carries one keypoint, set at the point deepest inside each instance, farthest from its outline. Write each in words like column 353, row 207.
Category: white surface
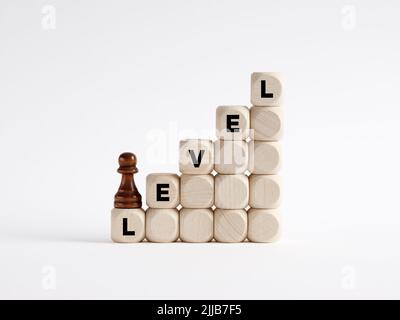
column 114, row 77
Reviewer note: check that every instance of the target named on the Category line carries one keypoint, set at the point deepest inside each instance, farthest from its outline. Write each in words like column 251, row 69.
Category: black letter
column 196, row 162
column 230, row 123
column 160, row 192
column 125, row 231
column 264, row 93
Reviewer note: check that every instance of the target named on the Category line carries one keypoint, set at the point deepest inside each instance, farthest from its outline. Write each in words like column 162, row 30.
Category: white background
column 111, row 76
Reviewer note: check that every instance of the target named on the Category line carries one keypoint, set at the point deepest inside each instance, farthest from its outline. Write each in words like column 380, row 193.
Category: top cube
column 266, row 89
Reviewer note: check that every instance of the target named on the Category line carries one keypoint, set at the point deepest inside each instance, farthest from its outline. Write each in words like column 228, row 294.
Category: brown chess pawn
column 127, row 217
column 128, row 196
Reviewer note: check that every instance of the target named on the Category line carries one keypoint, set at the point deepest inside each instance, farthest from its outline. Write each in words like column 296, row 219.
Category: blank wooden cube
column 196, row 156
column 196, row 225
column 265, row 191
column 127, row 225
column 266, row 89
column 231, row 191
column 230, row 225
column 264, row 157
column 264, row 225
column 197, row 191
column 231, row 157
column 266, row 123
column 162, row 225
column 162, row 190
column 233, row 122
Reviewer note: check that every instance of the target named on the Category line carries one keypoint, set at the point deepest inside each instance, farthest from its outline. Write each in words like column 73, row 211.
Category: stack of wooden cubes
column 265, row 157
column 229, row 190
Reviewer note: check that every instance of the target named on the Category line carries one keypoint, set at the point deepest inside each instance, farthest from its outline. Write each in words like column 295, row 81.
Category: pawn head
column 127, row 163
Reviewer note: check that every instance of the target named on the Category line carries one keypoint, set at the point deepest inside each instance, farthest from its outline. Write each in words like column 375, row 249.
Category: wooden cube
column 265, row 191
column 264, row 157
column 196, row 225
column 231, row 157
column 230, row 225
column 196, row 156
column 264, row 225
column 162, row 225
column 233, row 122
column 197, row 191
column 266, row 89
column 127, row 225
column 266, row 123
column 162, row 190
column 231, row 191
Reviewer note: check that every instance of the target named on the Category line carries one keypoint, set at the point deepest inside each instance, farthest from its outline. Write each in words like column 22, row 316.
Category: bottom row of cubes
column 195, row 225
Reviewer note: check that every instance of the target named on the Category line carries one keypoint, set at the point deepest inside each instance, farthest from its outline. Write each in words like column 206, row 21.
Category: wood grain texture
column 162, row 225
column 230, row 225
column 264, row 157
column 265, row 191
column 232, row 122
column 271, row 94
column 135, row 222
column 197, row 191
column 231, row 157
column 196, row 225
column 231, row 191
column 162, row 190
column 266, row 123
column 264, row 225
column 196, row 156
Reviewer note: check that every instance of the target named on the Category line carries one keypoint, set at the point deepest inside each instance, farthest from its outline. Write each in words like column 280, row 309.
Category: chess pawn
column 128, row 196
column 127, row 217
